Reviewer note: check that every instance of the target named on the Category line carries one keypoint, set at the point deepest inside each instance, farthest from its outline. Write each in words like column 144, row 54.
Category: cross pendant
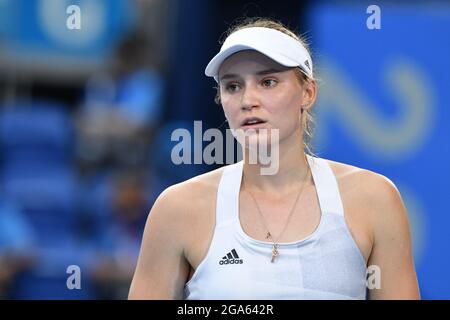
column 274, row 252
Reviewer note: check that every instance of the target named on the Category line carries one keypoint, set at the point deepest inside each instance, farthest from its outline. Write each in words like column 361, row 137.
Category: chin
column 259, row 137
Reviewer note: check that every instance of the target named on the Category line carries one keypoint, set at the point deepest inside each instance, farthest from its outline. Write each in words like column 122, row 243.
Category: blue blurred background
column 86, row 117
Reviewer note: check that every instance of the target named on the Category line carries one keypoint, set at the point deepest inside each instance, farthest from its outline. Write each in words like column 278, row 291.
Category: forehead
column 247, row 61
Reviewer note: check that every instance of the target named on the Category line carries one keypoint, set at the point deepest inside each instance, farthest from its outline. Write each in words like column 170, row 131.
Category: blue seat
column 95, row 205
column 48, row 277
column 41, row 132
column 35, row 144
column 48, row 200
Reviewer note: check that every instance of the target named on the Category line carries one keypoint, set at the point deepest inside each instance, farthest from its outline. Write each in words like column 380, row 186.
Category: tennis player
column 310, row 231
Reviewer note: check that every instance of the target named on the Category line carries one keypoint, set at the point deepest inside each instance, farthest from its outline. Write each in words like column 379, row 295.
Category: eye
column 232, row 87
column 269, row 83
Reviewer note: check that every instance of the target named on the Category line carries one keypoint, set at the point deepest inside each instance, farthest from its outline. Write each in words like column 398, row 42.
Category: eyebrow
column 259, row 73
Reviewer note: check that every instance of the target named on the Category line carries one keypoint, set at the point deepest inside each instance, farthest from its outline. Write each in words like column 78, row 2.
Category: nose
column 249, row 98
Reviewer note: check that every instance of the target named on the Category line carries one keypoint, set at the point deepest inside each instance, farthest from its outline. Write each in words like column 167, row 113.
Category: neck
column 292, row 171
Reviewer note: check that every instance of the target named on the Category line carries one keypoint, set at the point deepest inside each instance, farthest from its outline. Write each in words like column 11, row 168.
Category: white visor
column 274, row 44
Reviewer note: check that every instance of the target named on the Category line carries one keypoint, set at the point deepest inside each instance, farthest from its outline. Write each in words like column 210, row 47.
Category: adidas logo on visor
column 307, row 64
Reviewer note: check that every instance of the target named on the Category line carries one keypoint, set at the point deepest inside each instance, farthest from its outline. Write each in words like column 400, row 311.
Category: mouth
column 253, row 122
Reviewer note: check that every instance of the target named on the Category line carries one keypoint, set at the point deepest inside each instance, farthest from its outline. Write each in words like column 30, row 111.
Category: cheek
column 293, row 103
column 231, row 112
column 285, row 112
column 227, row 115
column 283, row 107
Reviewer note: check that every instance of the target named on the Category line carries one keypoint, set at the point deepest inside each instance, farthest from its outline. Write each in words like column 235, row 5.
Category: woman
column 310, row 231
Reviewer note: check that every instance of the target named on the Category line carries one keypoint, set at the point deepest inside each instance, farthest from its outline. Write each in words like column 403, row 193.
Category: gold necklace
column 269, row 236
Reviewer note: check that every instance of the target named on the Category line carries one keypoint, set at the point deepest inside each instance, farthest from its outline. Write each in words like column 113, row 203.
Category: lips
column 252, row 122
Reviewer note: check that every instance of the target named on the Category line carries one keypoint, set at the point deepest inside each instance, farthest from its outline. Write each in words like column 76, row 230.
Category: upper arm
column 162, row 269
column 391, row 250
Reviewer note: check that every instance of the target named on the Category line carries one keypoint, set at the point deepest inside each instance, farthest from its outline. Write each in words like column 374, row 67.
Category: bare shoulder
column 190, row 200
column 192, row 192
column 380, row 222
column 173, row 224
column 375, row 193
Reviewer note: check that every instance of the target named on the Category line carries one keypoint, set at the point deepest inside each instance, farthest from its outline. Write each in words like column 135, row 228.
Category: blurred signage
column 36, row 35
column 383, row 106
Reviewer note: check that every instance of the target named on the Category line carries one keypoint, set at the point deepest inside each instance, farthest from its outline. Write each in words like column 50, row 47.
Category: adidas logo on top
column 231, row 258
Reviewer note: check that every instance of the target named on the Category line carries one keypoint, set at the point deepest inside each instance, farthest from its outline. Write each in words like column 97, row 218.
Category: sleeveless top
column 327, row 264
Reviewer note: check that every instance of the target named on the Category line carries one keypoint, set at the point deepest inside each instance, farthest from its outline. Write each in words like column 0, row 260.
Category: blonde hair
column 307, row 116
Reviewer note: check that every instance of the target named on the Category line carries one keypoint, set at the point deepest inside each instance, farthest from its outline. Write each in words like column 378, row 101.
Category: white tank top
column 327, row 264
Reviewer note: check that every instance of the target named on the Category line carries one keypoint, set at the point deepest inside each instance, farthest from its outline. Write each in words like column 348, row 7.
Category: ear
column 309, row 94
